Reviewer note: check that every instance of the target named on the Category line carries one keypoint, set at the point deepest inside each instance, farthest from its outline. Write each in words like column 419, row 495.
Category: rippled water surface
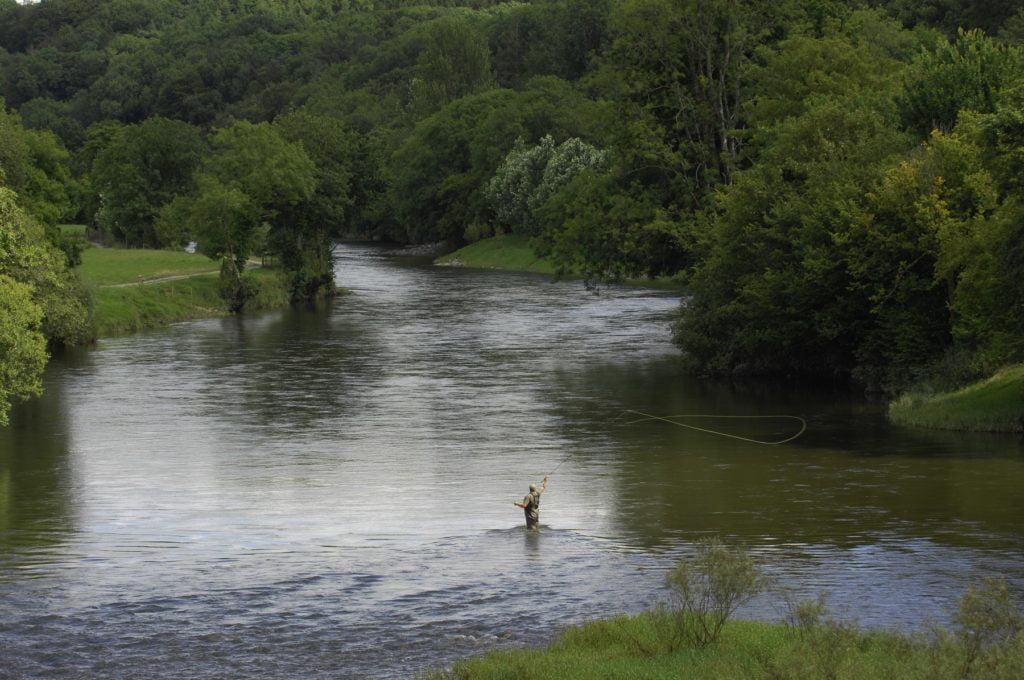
column 327, row 494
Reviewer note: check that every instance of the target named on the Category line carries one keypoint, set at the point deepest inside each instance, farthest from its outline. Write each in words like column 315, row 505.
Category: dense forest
column 837, row 182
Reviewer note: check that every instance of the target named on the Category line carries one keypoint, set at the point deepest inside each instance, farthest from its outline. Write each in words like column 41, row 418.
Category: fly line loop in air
column 668, row 419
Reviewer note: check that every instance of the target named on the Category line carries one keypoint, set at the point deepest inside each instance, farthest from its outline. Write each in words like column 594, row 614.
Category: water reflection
column 36, row 512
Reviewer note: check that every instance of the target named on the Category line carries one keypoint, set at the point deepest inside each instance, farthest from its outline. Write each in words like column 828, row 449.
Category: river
column 328, row 494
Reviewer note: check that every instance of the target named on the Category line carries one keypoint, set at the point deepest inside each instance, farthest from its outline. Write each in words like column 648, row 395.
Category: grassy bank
column 513, row 253
column 508, row 253
column 643, row 647
column 139, row 289
column 993, row 405
column 116, row 266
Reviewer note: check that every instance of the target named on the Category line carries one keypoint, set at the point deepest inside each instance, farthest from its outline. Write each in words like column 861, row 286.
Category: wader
column 532, row 509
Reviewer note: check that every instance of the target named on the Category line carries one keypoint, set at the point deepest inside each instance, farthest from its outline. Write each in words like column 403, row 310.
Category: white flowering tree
column 530, row 175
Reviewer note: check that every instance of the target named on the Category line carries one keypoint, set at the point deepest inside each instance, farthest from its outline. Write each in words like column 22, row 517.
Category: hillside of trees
column 838, row 182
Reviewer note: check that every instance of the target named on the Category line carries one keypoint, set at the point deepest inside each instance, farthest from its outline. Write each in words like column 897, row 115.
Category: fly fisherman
column 531, row 504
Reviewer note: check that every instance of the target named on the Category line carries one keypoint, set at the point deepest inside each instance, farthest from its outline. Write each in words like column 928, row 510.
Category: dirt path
column 173, row 277
column 160, row 279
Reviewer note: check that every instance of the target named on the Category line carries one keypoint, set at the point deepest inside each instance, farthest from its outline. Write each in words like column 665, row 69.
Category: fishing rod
column 564, row 460
column 668, row 419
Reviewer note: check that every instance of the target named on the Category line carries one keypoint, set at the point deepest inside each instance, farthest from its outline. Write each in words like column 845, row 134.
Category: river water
column 328, row 494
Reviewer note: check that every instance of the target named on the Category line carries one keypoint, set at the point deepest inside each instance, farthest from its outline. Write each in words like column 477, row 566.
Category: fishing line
column 667, row 419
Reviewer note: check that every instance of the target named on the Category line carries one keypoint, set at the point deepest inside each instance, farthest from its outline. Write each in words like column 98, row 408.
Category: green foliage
column 29, row 257
column 798, row 71
column 258, row 161
column 224, row 220
column 22, row 346
column 593, row 228
column 968, row 73
column 764, row 294
column 304, row 245
column 951, row 15
column 708, row 589
column 138, row 171
column 455, row 63
column 39, row 302
column 438, row 174
column 828, row 646
column 253, row 176
column 528, row 177
column 35, row 165
column 986, row 618
column 552, row 38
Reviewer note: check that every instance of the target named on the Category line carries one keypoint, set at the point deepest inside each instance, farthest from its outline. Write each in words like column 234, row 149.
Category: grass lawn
column 120, row 308
column 513, row 253
column 112, row 266
column 992, row 405
column 510, row 253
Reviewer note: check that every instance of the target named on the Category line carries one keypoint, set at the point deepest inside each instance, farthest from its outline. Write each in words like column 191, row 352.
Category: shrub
column 708, row 589
column 987, row 620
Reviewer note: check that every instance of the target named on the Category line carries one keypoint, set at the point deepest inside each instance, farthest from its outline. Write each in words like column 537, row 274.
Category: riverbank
column 134, row 290
column 507, row 253
column 513, row 253
column 645, row 646
column 992, row 405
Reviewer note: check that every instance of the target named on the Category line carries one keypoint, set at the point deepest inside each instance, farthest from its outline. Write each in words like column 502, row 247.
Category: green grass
column 120, row 309
column 513, row 253
column 129, row 309
column 639, row 647
column 112, row 266
column 509, row 253
column 992, row 405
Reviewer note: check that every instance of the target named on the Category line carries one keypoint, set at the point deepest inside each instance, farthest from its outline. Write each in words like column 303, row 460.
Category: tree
column 556, row 38
column 35, row 166
column 252, row 176
column 38, row 302
column 439, row 171
column 304, row 241
column 966, row 74
column 456, row 62
column 772, row 293
column 981, row 258
column 592, row 227
column 436, row 180
column 676, row 71
column 141, row 169
column 22, row 346
column 529, row 176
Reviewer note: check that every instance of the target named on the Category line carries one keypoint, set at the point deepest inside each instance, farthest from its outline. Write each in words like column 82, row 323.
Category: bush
column 826, row 644
column 709, row 588
column 987, row 623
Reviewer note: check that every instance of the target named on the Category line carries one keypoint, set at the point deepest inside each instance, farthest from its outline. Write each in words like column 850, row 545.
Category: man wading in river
column 531, row 504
